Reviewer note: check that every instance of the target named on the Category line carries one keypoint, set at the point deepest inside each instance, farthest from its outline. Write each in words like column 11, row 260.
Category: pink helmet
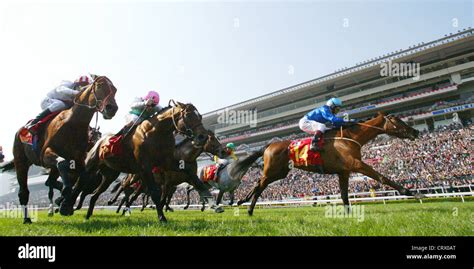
column 153, row 95
column 83, row 80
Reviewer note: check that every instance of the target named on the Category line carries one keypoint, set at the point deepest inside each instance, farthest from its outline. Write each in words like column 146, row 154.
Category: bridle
column 387, row 119
column 188, row 132
column 99, row 104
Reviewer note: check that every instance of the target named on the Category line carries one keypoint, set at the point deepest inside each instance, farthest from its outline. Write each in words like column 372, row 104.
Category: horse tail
column 240, row 167
column 8, row 166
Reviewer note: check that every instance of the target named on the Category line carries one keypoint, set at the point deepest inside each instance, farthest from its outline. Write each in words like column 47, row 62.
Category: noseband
column 99, row 104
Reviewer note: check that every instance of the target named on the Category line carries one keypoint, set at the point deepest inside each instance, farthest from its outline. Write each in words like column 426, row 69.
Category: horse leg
column 53, row 176
column 363, row 168
column 248, row 197
column 81, row 200
column 169, row 197
column 262, row 184
column 135, row 194
column 232, row 196
column 344, row 188
column 123, row 201
column 69, row 176
column 188, row 199
column 219, row 197
column 108, row 176
column 22, row 167
column 155, row 191
column 114, row 199
column 144, row 201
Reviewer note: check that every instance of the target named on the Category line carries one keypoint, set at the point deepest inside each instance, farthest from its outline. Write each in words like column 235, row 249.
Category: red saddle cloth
column 25, row 135
column 113, row 147
column 209, row 173
column 301, row 155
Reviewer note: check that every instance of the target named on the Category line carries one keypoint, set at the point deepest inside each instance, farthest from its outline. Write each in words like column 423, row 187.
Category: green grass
column 409, row 219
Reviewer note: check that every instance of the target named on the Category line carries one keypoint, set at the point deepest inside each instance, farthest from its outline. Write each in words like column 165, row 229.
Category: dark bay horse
column 147, row 149
column 185, row 154
column 341, row 156
column 63, row 143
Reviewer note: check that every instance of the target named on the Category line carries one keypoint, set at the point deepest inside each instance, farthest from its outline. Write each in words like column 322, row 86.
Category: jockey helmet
column 230, row 146
column 154, row 96
column 334, row 102
column 83, row 81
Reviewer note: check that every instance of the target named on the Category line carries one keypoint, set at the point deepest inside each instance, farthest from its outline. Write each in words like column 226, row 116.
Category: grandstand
column 442, row 92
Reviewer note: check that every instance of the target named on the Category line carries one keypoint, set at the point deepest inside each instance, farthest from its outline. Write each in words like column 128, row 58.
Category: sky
column 210, row 53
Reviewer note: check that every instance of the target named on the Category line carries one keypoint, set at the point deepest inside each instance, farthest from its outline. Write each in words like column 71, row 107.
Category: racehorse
column 62, row 143
column 341, row 155
column 228, row 179
column 147, row 149
column 185, row 152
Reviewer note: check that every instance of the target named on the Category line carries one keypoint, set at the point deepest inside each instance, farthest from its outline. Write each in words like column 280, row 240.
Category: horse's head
column 398, row 128
column 187, row 121
column 102, row 97
column 214, row 146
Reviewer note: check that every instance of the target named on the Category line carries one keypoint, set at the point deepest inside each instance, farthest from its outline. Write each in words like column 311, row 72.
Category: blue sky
column 209, row 53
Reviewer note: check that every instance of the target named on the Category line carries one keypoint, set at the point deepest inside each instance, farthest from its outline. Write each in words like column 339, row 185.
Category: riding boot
column 40, row 116
column 314, row 143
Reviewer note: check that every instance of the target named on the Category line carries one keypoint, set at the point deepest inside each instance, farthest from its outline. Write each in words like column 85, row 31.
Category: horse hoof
column 50, row 214
column 240, row 202
column 56, row 210
column 163, row 219
column 66, row 210
column 27, row 221
column 219, row 209
column 250, row 212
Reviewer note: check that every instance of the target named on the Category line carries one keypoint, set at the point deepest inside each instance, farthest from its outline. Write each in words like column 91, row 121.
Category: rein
column 362, row 124
column 99, row 104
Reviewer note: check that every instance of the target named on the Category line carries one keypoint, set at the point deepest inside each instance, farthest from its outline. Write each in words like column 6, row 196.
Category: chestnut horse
column 63, row 143
column 341, row 155
column 185, row 153
column 148, row 148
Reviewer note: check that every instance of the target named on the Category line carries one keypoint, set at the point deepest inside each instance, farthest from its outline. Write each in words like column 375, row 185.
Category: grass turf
column 406, row 219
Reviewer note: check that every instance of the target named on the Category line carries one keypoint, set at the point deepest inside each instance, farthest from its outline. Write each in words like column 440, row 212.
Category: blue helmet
column 334, row 102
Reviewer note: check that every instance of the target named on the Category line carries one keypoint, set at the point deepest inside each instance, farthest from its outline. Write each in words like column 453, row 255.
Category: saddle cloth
column 209, row 173
column 301, row 155
column 26, row 137
column 113, row 147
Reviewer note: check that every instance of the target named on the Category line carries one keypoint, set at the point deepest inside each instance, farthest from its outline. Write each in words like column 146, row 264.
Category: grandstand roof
column 422, row 52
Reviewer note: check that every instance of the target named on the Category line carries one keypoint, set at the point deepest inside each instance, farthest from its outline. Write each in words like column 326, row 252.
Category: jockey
column 230, row 147
column 141, row 109
column 60, row 98
column 317, row 121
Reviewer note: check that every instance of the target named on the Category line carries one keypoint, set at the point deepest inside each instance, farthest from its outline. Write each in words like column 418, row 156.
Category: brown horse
column 341, row 155
column 148, row 147
column 186, row 154
column 63, row 142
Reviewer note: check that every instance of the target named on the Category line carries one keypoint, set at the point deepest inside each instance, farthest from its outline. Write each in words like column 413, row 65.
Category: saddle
column 301, row 155
column 25, row 135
